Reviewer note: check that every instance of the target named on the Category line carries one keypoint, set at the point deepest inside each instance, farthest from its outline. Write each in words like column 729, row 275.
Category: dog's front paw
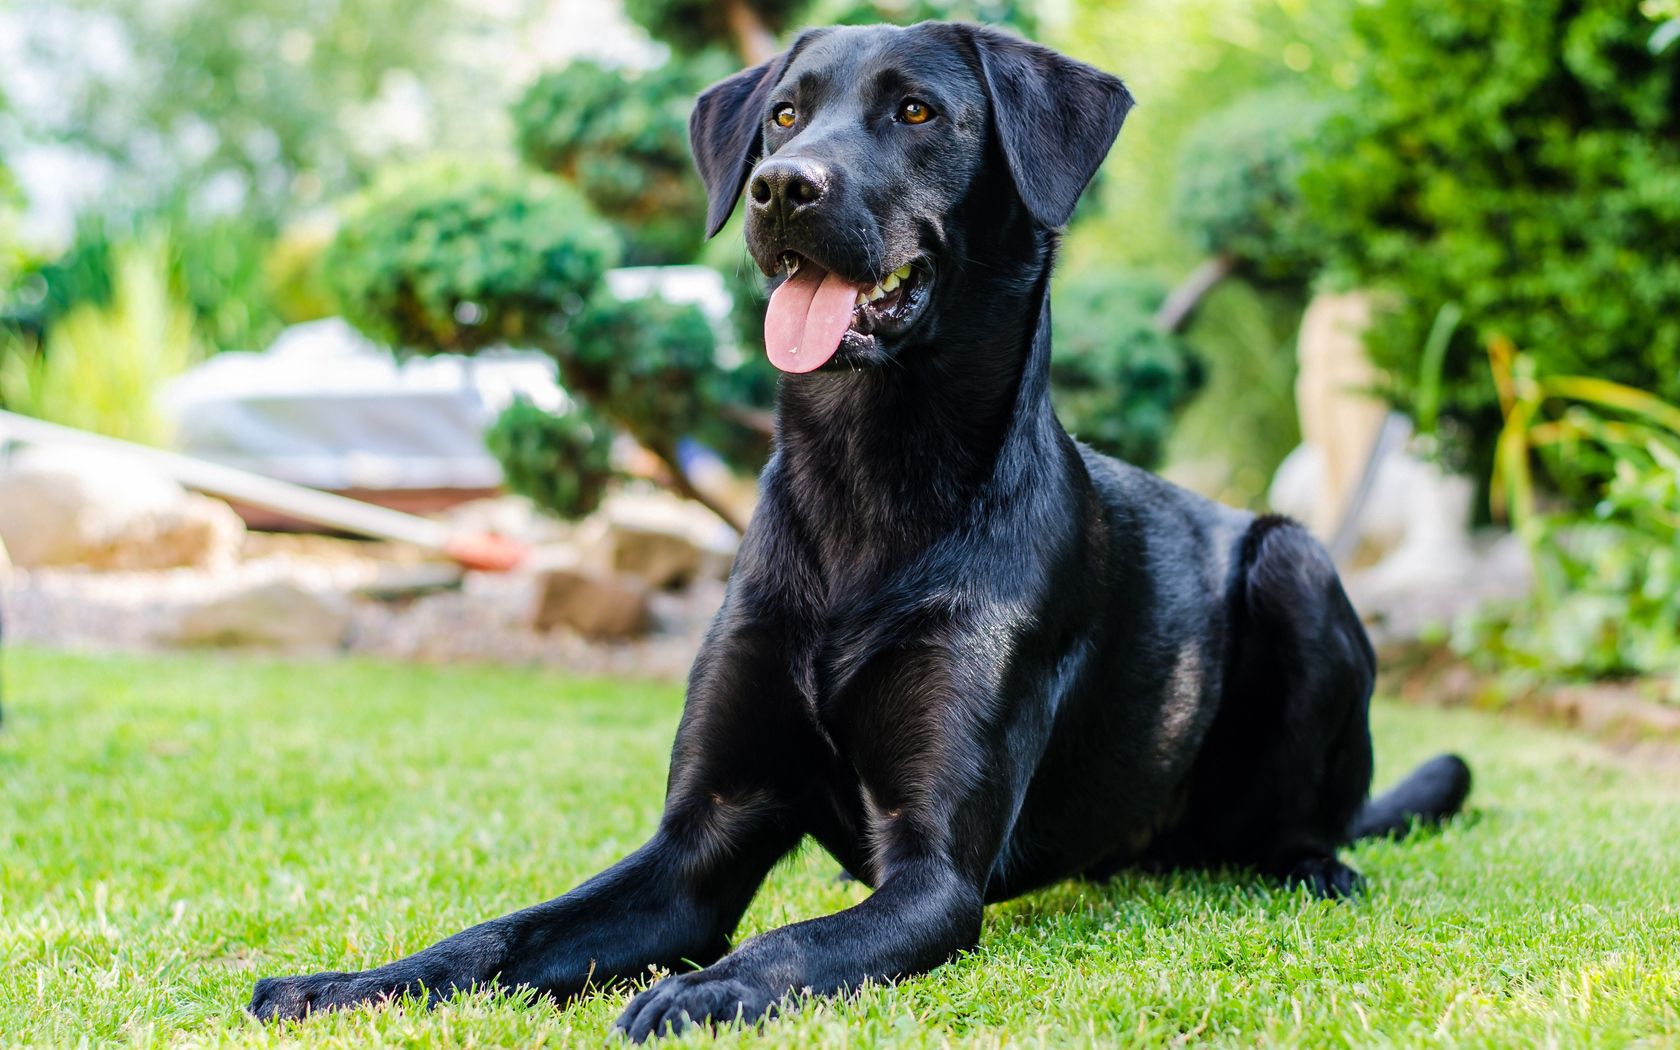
column 1326, row 878
column 701, row 997
column 293, row 998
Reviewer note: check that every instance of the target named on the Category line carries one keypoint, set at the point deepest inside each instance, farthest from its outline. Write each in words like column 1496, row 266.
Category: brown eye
column 785, row 117
column 915, row 111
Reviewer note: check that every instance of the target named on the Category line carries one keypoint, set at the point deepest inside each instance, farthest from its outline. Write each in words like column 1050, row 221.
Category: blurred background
column 1408, row 270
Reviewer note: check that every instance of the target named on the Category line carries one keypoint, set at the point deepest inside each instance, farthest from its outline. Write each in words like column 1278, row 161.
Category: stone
column 606, row 606
column 74, row 507
column 1340, row 419
column 275, row 614
column 664, row 540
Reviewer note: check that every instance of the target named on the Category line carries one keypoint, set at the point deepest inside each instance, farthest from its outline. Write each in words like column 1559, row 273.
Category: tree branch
column 755, row 42
column 1182, row 301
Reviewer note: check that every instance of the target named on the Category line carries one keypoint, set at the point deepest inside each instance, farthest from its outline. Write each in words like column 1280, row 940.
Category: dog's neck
column 879, row 463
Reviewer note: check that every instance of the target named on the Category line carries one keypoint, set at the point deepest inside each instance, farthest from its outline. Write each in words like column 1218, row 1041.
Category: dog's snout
column 782, row 187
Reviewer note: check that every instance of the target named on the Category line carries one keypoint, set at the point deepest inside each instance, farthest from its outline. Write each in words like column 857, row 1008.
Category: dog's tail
column 1433, row 792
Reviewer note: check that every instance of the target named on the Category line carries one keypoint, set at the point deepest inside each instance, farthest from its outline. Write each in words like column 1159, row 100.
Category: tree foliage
column 561, row 461
column 621, row 137
column 1521, row 160
column 1237, row 189
column 456, row 257
column 260, row 104
column 1117, row 380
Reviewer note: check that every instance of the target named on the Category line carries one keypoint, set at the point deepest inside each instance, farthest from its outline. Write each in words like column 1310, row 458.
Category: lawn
column 173, row 828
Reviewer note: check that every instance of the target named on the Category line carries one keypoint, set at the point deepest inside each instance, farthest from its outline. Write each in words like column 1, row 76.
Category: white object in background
column 1416, row 519
column 328, row 408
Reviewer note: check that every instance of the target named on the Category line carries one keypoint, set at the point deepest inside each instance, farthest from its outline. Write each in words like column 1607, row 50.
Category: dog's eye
column 915, row 111
column 785, row 117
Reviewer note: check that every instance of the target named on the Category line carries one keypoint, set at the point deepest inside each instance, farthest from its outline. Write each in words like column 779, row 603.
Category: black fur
column 966, row 654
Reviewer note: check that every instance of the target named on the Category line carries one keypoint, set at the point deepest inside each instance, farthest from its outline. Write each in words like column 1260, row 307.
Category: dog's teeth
column 890, row 283
column 862, row 299
column 903, row 272
column 877, row 292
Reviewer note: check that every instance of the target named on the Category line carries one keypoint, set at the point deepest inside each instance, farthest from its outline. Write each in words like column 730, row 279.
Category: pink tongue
column 807, row 316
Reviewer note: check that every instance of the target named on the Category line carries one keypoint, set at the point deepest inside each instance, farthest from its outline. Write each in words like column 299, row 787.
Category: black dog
column 966, row 654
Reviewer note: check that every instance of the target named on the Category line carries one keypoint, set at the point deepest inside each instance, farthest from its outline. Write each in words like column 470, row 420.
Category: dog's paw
column 294, row 998
column 1325, row 877
column 701, row 997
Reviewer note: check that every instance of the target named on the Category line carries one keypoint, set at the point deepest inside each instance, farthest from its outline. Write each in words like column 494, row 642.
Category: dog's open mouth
column 813, row 310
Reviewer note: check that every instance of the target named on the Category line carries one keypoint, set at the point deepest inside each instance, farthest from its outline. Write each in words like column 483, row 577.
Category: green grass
column 172, row 829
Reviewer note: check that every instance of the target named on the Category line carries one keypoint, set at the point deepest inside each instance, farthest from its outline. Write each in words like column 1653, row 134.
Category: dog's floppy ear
column 1055, row 118
column 723, row 131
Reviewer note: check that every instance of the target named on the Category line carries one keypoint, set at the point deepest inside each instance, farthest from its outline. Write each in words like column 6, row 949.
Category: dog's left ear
column 724, row 131
column 1055, row 118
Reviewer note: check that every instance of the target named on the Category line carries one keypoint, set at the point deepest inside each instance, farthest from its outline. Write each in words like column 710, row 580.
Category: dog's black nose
column 782, row 187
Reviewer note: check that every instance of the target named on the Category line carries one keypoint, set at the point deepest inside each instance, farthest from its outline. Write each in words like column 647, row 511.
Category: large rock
column 103, row 511
column 1340, row 419
column 276, row 614
column 665, row 541
column 604, row 606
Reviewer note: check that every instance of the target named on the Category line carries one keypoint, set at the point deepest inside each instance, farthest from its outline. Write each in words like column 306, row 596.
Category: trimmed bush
column 561, row 461
column 648, row 365
column 1522, row 160
column 622, row 139
column 1236, row 193
column 1117, row 382
column 691, row 26
column 453, row 258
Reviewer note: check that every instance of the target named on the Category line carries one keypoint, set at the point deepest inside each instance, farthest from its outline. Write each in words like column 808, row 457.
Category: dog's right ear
column 724, row 133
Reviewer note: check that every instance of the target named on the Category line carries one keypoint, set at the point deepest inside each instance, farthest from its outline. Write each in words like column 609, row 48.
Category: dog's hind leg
column 1287, row 761
column 673, row 902
column 1303, row 644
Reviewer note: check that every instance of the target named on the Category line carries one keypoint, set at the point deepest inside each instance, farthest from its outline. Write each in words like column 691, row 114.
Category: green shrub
column 648, row 365
column 102, row 367
column 622, row 138
column 561, row 461
column 215, row 267
column 1522, row 160
column 451, row 257
column 1117, row 382
column 692, row 26
column 1236, row 192
column 1607, row 579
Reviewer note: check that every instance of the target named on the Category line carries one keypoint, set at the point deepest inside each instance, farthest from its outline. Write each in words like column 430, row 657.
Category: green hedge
column 1237, row 188
column 1520, row 158
column 1116, row 381
column 451, row 257
column 561, row 461
column 622, row 138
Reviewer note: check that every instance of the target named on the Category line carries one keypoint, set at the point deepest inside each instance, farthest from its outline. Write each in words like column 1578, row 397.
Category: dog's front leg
column 729, row 816
column 939, row 793
column 663, row 905
column 923, row 913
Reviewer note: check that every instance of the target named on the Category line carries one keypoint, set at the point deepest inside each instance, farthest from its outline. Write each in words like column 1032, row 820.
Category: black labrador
column 966, row 654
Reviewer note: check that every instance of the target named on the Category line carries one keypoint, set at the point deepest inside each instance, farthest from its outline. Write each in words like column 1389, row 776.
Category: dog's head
column 856, row 147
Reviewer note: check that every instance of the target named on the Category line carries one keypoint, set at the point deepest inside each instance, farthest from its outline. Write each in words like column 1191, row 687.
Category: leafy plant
column 561, row 461
column 1523, row 161
column 1237, row 191
column 1117, row 380
column 1607, row 579
column 454, row 257
column 652, row 367
column 621, row 137
column 102, row 366
column 214, row 266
